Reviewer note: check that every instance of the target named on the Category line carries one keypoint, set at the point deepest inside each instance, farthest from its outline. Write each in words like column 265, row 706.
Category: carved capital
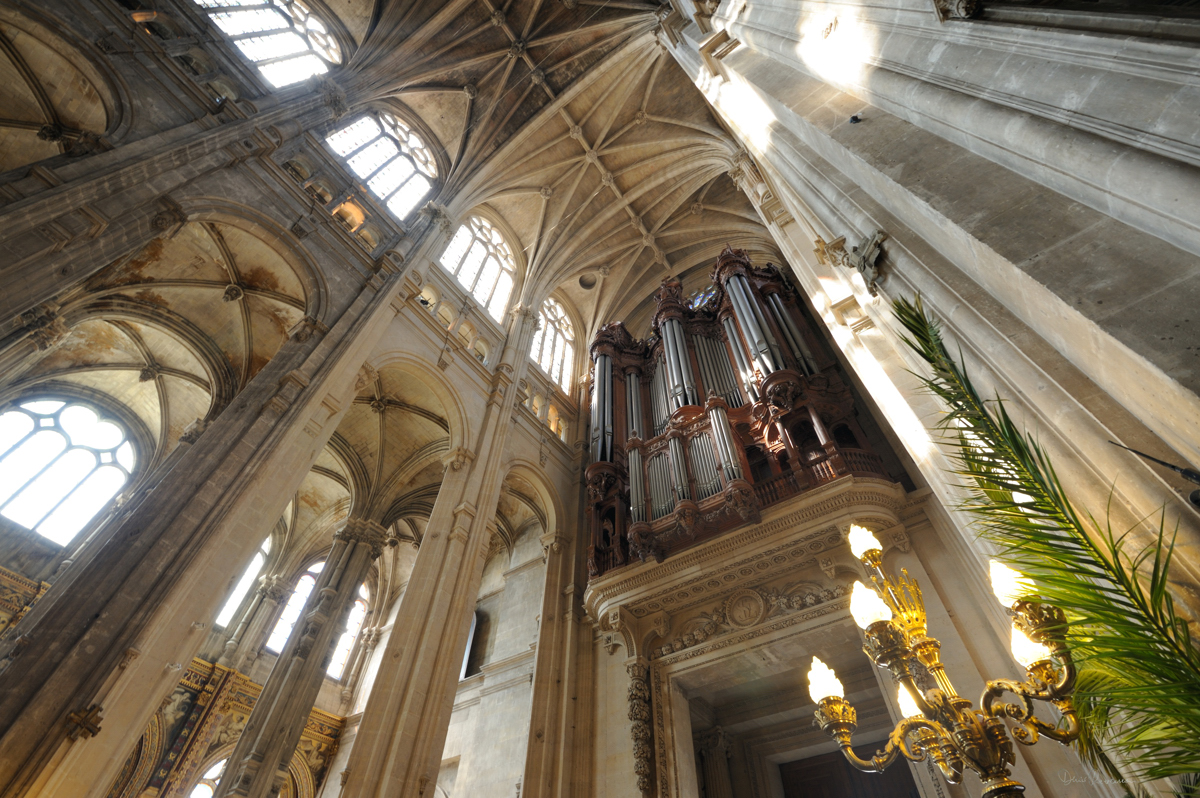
column 333, row 96
column 369, row 533
column 43, row 325
column 455, row 460
column 306, row 328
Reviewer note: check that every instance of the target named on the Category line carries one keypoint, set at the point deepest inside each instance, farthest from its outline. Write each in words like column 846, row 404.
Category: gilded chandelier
column 938, row 723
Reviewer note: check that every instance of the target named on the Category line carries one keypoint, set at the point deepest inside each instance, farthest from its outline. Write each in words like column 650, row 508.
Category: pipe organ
column 730, row 406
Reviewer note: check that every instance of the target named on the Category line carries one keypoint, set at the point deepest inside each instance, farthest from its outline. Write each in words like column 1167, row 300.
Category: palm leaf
column 1138, row 691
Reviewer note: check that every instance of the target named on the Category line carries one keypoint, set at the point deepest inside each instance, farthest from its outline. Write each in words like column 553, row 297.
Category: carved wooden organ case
column 731, row 405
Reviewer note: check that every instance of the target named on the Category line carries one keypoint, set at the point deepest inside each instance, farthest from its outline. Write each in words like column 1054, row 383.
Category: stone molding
column 800, row 529
column 361, row 530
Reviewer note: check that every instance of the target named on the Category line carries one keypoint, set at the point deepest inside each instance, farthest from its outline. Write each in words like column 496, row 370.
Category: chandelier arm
column 1058, row 733
column 898, row 744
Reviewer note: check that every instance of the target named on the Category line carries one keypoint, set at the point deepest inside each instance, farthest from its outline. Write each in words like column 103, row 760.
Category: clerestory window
column 206, row 787
column 283, row 38
column 345, row 643
column 389, row 158
column 553, row 347
column 244, row 584
column 293, row 609
column 60, row 464
column 482, row 262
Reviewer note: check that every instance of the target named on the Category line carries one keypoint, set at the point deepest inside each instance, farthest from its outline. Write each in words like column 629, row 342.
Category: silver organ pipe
column 679, row 366
column 602, row 410
column 792, row 333
column 719, row 420
column 678, row 468
column 756, row 308
column 716, row 370
column 658, row 398
column 662, row 503
column 754, row 334
column 704, row 466
column 633, row 403
column 743, row 364
column 637, row 485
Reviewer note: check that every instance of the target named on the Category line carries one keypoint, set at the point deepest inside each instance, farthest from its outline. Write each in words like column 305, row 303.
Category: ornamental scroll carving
column 640, row 732
column 862, row 258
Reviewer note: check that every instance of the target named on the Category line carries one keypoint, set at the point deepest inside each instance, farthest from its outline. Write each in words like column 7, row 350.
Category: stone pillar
column 242, row 645
column 258, row 765
column 714, row 750
column 403, row 729
column 551, row 731
column 110, row 635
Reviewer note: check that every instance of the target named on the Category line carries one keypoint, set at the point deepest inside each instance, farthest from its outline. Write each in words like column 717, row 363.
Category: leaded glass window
column 553, row 347
column 293, row 609
column 389, row 158
column 700, row 298
column 482, row 262
column 283, row 37
column 60, row 464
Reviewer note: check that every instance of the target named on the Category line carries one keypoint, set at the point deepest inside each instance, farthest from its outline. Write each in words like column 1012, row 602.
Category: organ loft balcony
column 731, row 404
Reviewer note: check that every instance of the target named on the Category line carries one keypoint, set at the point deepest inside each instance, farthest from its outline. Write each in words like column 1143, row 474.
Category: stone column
column 403, row 729
column 714, row 749
column 258, row 765
column 249, row 631
column 110, row 635
column 551, row 731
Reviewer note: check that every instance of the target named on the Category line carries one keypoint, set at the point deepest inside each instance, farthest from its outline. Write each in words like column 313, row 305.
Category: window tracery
column 293, row 609
column 283, row 38
column 482, row 262
column 60, row 465
column 701, row 297
column 244, row 584
column 553, row 347
column 389, row 157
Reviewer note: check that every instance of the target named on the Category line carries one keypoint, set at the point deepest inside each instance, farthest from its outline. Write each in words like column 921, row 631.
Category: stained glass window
column 482, row 262
column 553, row 346
column 293, row 609
column 700, row 298
column 60, row 464
column 391, row 160
column 283, row 37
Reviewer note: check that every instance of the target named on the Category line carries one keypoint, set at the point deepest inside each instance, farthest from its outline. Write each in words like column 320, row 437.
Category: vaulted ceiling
column 569, row 123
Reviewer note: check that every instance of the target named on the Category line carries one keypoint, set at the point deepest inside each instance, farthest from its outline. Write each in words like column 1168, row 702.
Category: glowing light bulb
column 861, row 541
column 1025, row 651
column 1008, row 584
column 867, row 607
column 908, row 704
column 823, row 682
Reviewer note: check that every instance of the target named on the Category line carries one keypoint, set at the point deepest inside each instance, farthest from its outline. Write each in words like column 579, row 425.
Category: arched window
column 60, row 464
column 345, row 643
column 207, row 786
column 244, row 584
column 295, row 606
column 391, row 159
column 553, row 346
column 701, row 297
column 286, row 40
column 481, row 261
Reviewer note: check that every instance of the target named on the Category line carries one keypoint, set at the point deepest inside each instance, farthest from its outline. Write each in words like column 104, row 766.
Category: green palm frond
column 1139, row 685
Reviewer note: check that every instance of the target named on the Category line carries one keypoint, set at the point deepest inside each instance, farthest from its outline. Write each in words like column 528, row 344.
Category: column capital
column 361, row 530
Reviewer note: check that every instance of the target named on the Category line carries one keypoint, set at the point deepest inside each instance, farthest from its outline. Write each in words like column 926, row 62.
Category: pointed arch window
column 389, row 157
column 206, row 787
column 60, row 465
column 482, row 262
column 283, row 38
column 345, row 643
column 293, row 609
column 244, row 584
column 553, row 347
